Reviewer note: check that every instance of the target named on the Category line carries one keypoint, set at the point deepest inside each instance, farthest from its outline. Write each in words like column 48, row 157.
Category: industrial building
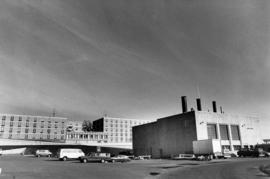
column 32, row 127
column 175, row 134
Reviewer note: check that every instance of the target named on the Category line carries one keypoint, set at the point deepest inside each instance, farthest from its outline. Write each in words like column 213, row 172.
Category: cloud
column 132, row 59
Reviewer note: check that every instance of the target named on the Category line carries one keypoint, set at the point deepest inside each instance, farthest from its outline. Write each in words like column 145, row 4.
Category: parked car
column 43, row 153
column 257, row 152
column 120, row 158
column 183, row 157
column 132, row 157
column 143, row 157
column 65, row 154
column 96, row 157
column 204, row 157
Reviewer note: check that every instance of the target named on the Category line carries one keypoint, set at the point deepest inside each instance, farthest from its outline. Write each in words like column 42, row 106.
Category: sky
column 133, row 59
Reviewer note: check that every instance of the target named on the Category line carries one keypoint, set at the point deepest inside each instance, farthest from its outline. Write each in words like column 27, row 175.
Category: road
column 236, row 169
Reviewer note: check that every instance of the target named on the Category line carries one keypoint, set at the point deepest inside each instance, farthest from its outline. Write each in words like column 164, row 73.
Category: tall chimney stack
column 214, row 106
column 184, row 104
column 199, row 105
column 221, row 110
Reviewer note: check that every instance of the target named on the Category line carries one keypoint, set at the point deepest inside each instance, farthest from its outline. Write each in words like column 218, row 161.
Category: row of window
column 116, row 130
column 26, row 136
column 34, row 131
column 86, row 136
column 121, row 134
column 224, row 132
column 124, row 121
column 28, row 121
column 121, row 140
column 11, row 123
column 121, row 126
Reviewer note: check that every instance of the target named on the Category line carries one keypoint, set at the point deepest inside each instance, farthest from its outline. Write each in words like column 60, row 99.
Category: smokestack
column 214, row 106
column 184, row 104
column 199, row 105
column 221, row 111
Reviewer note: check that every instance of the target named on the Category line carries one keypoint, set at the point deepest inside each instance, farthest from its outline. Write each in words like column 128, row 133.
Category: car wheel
column 64, row 158
column 49, row 156
column 84, row 160
column 102, row 161
column 38, row 156
column 113, row 161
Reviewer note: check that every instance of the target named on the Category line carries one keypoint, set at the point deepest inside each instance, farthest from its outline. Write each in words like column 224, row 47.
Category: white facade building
column 32, row 127
column 119, row 130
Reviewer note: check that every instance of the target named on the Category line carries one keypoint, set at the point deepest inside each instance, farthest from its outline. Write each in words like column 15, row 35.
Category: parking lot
column 30, row 167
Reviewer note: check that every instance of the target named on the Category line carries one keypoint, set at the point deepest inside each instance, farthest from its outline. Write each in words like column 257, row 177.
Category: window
column 48, row 131
column 20, row 121
column 35, row 122
column 10, row 130
column 49, row 124
column 26, row 130
column 34, row 130
column 62, row 131
column 27, row 123
column 56, row 125
column 26, row 136
column 212, row 131
column 224, row 134
column 11, row 120
column 3, row 120
column 2, row 129
column 235, row 132
column 42, row 124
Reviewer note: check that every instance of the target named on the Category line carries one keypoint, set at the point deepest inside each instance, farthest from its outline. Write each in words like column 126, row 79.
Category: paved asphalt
column 26, row 167
column 234, row 169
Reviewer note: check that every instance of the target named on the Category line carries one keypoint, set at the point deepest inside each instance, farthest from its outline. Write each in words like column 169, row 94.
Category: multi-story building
column 119, row 130
column 32, row 127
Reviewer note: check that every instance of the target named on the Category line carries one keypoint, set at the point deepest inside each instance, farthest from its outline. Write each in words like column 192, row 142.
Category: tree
column 87, row 126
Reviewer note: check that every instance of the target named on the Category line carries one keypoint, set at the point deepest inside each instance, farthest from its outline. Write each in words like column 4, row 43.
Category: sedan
column 120, row 158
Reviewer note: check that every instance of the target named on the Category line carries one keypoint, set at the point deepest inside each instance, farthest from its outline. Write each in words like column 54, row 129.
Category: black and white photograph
column 134, row 89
